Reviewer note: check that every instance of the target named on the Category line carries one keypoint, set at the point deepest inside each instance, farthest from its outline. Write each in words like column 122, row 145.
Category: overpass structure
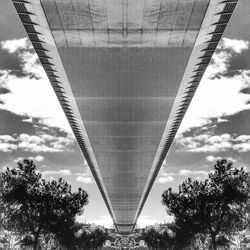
column 124, row 72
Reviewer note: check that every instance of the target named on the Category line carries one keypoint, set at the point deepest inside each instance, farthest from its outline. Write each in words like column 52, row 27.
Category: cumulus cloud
column 243, row 143
column 235, row 45
column 30, row 92
column 211, row 158
column 7, row 147
column 43, row 143
column 219, row 93
column 165, row 179
column 15, row 45
column 169, row 177
column 62, row 172
column 25, row 56
column 188, row 172
column 7, row 143
column 36, row 143
column 243, row 138
column 38, row 158
column 84, row 179
column 205, row 143
column 244, row 147
column 214, row 143
column 7, row 138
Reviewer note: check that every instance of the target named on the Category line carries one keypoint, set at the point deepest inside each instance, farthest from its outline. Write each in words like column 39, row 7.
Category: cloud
column 25, row 56
column 7, row 143
column 36, row 143
column 44, row 143
column 169, row 177
column 7, row 138
column 15, row 45
column 7, row 147
column 220, row 63
column 165, row 179
column 243, row 138
column 38, row 158
column 84, row 179
column 219, row 93
column 211, row 158
column 244, row 147
column 188, row 172
column 62, row 172
column 30, row 92
column 243, row 143
column 235, row 45
column 220, row 120
column 205, row 143
column 214, row 143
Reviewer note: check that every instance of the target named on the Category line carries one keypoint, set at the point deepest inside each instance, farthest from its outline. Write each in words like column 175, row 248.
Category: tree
column 215, row 207
column 2, row 210
column 27, row 241
column 36, row 207
column 182, row 236
column 168, row 236
column 157, row 239
column 65, row 232
column 93, row 239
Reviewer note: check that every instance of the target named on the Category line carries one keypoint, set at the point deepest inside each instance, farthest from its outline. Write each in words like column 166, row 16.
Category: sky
column 214, row 127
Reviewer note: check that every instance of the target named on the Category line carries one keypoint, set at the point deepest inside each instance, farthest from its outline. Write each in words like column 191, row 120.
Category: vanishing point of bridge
column 124, row 72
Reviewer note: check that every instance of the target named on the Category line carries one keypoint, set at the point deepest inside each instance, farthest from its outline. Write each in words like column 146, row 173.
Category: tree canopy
column 216, row 206
column 92, row 239
column 156, row 239
column 34, row 206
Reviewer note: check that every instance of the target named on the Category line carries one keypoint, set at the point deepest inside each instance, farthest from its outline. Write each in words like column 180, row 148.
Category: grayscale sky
column 32, row 123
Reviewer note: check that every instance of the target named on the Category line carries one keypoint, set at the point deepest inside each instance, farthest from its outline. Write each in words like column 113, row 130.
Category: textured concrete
column 119, row 23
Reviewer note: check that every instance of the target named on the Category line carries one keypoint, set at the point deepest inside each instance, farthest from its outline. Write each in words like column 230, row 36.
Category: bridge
column 125, row 72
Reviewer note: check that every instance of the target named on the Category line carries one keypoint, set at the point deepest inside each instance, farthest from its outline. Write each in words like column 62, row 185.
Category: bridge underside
column 125, row 98
column 125, row 72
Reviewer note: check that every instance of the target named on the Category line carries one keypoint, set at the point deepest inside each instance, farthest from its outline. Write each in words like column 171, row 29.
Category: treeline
column 208, row 214
column 43, row 213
